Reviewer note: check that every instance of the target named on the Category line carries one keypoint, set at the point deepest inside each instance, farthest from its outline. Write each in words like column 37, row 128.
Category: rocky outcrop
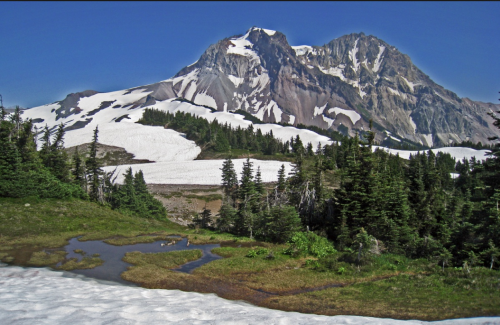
column 69, row 105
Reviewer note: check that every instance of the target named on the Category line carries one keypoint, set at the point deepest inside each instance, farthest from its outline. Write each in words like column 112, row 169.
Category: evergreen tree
column 281, row 223
column 10, row 161
column 309, row 150
column 3, row 114
column 318, row 180
column 297, row 146
column 248, row 200
column 221, row 142
column 78, row 171
column 247, row 186
column 281, row 186
column 94, row 170
column 45, row 151
column 127, row 198
column 203, row 219
column 227, row 218
column 259, row 186
column 229, row 180
column 59, row 157
column 491, row 254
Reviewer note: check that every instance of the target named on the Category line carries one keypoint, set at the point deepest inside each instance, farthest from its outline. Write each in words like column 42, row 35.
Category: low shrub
column 309, row 244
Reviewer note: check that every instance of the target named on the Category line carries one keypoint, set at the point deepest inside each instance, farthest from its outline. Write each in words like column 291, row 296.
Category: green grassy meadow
column 381, row 286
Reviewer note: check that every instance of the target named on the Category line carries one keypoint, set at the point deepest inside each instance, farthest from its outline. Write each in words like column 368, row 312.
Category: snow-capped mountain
column 172, row 155
column 339, row 85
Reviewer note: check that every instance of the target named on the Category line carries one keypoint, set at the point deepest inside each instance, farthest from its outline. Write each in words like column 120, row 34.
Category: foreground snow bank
column 199, row 172
column 42, row 296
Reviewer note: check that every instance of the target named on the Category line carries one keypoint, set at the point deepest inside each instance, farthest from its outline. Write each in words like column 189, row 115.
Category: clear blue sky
column 50, row 49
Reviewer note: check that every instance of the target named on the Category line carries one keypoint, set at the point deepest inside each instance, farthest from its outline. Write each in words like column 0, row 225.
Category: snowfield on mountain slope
column 154, row 143
column 145, row 142
column 164, row 146
column 33, row 296
column 198, row 172
column 281, row 132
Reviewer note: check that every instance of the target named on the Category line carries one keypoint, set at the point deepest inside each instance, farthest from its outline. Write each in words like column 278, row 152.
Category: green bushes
column 309, row 244
column 261, row 251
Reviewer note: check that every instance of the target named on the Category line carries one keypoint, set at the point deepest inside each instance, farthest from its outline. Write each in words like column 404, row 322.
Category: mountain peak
column 269, row 32
column 340, row 85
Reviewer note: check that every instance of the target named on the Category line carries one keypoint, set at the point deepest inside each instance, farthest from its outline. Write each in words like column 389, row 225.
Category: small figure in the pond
column 187, row 243
column 162, row 244
column 169, row 244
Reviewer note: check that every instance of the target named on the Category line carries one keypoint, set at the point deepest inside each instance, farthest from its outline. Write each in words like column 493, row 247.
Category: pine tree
column 128, row 198
column 78, row 171
column 297, row 175
column 309, row 150
column 221, row 142
column 27, row 147
column 491, row 254
column 281, row 186
column 318, row 179
column 319, row 150
column 229, row 180
column 248, row 199
column 17, row 120
column 281, row 223
column 204, row 218
column 259, row 186
column 247, row 186
column 227, row 218
column 10, row 162
column 59, row 157
column 297, row 146
column 141, row 194
column 94, row 170
column 3, row 114
column 45, row 151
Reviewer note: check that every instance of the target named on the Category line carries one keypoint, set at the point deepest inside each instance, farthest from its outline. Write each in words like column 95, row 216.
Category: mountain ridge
column 340, row 85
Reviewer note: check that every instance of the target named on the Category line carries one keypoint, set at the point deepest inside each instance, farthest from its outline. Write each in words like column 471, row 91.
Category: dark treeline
column 332, row 134
column 216, row 136
column 470, row 144
column 412, row 207
column 49, row 173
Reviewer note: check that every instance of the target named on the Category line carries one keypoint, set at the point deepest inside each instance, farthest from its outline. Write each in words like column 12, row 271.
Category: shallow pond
column 112, row 256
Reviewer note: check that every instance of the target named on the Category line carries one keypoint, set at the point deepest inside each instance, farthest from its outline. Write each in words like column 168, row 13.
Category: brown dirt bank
column 291, row 300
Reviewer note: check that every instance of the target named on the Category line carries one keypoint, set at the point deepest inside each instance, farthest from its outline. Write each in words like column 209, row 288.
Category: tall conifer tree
column 94, row 170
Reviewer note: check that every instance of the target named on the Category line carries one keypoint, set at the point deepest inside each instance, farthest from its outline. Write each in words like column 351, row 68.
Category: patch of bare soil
column 108, row 155
column 184, row 202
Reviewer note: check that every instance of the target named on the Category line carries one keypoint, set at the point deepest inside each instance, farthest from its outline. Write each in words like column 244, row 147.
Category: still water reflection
column 112, row 256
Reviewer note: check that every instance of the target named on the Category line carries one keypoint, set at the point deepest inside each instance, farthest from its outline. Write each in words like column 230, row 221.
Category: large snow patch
column 199, row 172
column 42, row 296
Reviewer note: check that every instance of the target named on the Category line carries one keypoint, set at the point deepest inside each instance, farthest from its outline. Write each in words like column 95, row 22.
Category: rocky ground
column 184, row 202
column 108, row 155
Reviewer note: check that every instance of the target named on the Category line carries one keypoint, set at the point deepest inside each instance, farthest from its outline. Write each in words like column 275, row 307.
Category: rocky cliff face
column 340, row 85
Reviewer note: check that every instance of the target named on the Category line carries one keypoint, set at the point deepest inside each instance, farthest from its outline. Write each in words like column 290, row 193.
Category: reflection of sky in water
column 41, row 296
column 112, row 255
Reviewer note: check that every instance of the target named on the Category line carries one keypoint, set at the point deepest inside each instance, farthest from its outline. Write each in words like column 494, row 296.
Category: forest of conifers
column 49, row 173
column 412, row 207
column 359, row 199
